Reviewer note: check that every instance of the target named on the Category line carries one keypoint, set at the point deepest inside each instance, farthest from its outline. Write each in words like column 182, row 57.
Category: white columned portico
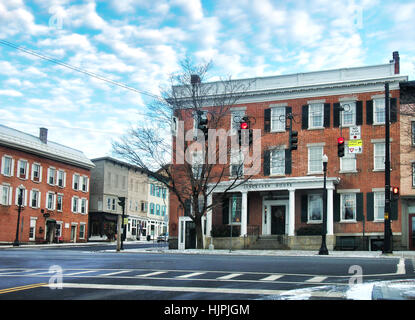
column 291, row 215
column 330, row 211
column 244, row 214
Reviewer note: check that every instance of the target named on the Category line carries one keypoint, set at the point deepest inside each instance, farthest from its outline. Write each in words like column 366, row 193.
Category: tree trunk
column 199, row 233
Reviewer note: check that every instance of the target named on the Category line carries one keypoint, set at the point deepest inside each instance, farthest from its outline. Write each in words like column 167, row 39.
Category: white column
column 291, row 217
column 244, row 214
column 209, row 216
column 330, row 211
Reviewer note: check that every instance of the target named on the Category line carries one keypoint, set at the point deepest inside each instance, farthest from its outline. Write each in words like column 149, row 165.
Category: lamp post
column 323, row 249
column 19, row 209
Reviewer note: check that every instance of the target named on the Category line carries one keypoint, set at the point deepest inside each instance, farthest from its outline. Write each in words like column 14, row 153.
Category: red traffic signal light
column 340, row 147
column 395, row 193
column 244, row 125
column 395, row 190
column 340, row 140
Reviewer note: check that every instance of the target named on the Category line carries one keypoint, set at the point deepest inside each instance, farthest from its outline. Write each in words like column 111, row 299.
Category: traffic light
column 245, row 136
column 293, row 140
column 340, row 147
column 121, row 202
column 395, row 193
column 202, row 123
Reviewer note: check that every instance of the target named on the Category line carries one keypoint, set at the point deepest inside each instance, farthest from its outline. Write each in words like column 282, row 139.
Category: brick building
column 53, row 181
column 284, row 202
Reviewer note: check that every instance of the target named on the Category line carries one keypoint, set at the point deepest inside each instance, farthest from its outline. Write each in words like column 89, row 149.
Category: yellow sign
column 355, row 143
column 125, row 220
column 386, row 215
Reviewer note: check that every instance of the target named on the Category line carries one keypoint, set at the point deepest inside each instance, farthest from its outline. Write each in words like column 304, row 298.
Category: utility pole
column 387, row 248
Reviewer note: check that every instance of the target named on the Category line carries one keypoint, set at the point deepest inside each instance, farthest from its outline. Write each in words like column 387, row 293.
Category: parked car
column 164, row 237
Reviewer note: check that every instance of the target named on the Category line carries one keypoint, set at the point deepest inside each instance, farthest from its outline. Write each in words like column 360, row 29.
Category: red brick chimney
column 395, row 56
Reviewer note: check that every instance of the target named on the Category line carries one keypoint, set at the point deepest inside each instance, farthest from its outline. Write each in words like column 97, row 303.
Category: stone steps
column 272, row 242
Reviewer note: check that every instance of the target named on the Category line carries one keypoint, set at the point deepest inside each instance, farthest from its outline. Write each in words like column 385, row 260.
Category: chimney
column 43, row 135
column 395, row 56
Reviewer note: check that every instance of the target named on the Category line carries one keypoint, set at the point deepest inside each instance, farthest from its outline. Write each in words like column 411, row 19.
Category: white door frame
column 182, row 232
column 266, row 208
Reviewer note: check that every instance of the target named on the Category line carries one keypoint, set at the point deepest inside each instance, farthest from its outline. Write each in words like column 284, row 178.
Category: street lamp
column 323, row 249
column 19, row 209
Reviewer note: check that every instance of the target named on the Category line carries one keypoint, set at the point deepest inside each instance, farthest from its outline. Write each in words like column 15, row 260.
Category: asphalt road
column 91, row 273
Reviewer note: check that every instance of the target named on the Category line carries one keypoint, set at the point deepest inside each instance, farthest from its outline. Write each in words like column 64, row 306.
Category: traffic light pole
column 387, row 248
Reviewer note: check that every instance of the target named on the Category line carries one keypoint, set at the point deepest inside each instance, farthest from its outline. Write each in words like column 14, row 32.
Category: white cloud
column 10, row 93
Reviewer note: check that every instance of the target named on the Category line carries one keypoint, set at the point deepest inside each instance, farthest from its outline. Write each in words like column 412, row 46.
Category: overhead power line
column 89, row 73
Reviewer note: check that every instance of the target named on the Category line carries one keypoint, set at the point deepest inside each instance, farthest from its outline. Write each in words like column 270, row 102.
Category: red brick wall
column 365, row 179
column 8, row 214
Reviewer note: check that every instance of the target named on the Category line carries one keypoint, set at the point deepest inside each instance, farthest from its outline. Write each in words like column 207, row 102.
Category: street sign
column 355, row 133
column 355, row 146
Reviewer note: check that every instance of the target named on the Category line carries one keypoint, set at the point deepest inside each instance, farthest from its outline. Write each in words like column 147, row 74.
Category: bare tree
column 188, row 163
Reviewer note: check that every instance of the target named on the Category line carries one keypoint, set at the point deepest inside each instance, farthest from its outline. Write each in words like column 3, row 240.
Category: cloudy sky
column 140, row 43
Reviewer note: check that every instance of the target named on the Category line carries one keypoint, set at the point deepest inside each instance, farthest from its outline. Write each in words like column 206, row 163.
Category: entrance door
column 73, row 233
column 190, row 235
column 412, row 231
column 277, row 219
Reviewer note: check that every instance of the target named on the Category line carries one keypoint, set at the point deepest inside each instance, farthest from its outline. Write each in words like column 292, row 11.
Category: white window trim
column 375, row 217
column 310, row 116
column 273, row 109
column 11, row 166
column 241, row 113
column 32, row 219
column 26, row 169
column 63, row 178
column 9, row 194
column 57, row 196
column 342, row 205
column 38, row 199
column 24, row 204
column 309, row 159
column 283, row 162
column 53, row 176
column 53, row 201
column 375, row 122
column 32, row 175
column 309, row 220
column 73, row 181
column 236, row 159
column 374, row 156
column 343, row 103
column 82, row 224
column 75, row 200
column 346, row 151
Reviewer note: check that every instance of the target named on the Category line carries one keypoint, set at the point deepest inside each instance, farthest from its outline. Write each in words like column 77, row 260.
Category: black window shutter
column 336, row 114
column 266, row 162
column 187, row 207
column 304, row 208
column 267, row 120
column 304, row 124
column 394, row 210
column 359, row 113
column 336, row 207
column 370, row 210
column 359, row 207
column 288, row 161
column 393, row 110
column 327, row 115
column 288, row 110
column 369, row 112
column 225, row 211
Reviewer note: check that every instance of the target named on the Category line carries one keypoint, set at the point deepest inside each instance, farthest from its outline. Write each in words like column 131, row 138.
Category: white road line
column 229, row 276
column 76, row 273
column 316, row 279
column 272, row 277
column 193, row 289
column 151, row 274
column 113, row 273
column 400, row 268
column 38, row 273
column 20, row 271
column 194, row 274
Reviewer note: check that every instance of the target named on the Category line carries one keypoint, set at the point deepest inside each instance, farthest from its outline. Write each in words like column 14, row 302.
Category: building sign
column 355, row 146
column 274, row 185
column 355, row 133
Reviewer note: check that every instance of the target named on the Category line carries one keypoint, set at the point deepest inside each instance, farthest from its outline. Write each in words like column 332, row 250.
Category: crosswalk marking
column 272, row 277
column 316, row 279
column 151, row 274
column 194, row 274
column 229, row 276
column 113, row 273
column 77, row 273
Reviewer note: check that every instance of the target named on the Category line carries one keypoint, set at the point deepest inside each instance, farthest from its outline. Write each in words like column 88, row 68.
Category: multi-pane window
column 36, row 173
column 157, row 209
column 22, row 169
column 316, row 115
column 379, row 204
column 84, row 185
column 379, row 156
column 315, row 208
column 32, row 229
column 34, row 199
column 5, row 195
column 50, row 201
column 76, row 181
column 61, row 178
column 6, row 166
column 83, row 206
column 348, row 114
column 197, row 165
column 59, row 202
column 278, row 119
column 52, row 176
column 151, row 208
column 348, row 161
column 348, row 207
column 379, row 111
column 236, row 117
column 81, row 231
column 277, row 159
column 75, row 204
column 315, row 159
column 237, row 163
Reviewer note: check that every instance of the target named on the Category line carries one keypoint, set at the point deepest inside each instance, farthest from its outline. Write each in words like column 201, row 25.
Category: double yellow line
column 30, row 286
